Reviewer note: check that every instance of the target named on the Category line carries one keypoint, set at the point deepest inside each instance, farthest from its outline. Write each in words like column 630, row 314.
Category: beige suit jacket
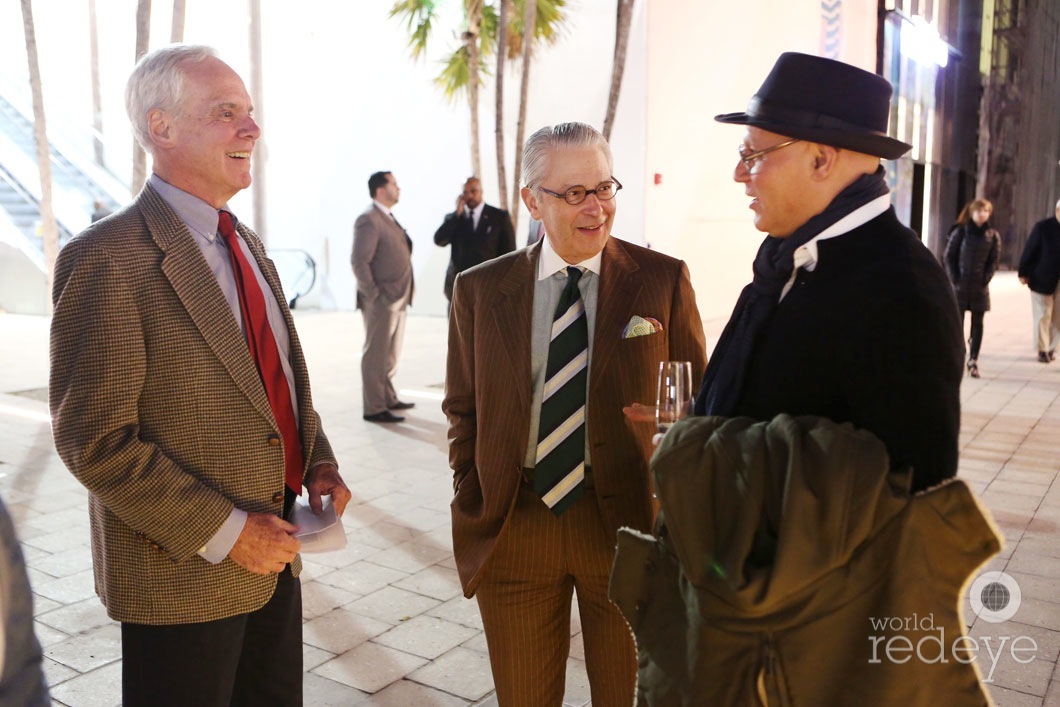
column 159, row 411
column 488, row 387
column 381, row 258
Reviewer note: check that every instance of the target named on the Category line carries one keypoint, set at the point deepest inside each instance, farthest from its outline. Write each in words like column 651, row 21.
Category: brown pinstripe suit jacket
column 159, row 411
column 488, row 387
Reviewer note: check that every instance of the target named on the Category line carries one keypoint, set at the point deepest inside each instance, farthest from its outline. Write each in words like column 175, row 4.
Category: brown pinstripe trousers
column 525, row 602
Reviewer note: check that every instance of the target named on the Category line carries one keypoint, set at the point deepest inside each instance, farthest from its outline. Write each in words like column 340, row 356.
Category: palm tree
column 498, row 107
column 618, row 65
column 143, row 33
column 529, row 21
column 478, row 40
column 49, row 229
column 97, row 94
column 176, row 32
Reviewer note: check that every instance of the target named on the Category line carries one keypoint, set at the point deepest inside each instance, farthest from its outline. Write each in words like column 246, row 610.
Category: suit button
column 273, row 440
column 277, row 497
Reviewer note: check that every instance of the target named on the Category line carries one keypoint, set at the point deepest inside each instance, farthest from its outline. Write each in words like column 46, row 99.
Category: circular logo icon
column 995, row 596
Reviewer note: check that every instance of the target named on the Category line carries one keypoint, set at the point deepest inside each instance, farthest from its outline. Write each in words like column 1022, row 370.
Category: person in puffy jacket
column 972, row 254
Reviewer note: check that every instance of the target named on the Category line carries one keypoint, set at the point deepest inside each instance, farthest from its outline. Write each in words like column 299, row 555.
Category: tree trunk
column 618, row 65
column 502, row 51
column 471, row 38
column 176, row 32
column 257, row 165
column 97, row 98
column 49, row 229
column 529, row 20
column 143, row 33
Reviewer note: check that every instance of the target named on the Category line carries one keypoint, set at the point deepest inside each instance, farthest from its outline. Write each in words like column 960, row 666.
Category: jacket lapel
column 618, row 287
column 197, row 289
column 512, row 316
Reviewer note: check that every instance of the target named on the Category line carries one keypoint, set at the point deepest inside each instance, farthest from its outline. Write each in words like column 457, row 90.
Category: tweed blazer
column 158, row 409
column 381, row 258
column 488, row 387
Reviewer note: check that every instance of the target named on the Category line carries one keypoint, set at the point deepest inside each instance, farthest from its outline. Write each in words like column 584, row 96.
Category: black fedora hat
column 826, row 101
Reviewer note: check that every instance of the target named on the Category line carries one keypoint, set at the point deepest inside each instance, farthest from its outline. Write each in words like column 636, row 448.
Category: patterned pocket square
column 641, row 326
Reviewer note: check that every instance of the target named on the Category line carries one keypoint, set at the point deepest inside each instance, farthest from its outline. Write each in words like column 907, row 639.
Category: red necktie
column 266, row 355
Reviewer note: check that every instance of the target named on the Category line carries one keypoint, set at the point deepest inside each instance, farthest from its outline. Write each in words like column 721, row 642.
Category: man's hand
column 460, row 205
column 639, row 413
column 322, row 480
column 266, row 544
column 1023, row 280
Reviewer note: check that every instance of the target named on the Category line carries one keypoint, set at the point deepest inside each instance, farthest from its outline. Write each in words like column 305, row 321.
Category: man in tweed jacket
column 158, row 408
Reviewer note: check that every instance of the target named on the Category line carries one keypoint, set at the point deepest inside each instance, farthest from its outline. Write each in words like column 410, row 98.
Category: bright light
column 921, row 42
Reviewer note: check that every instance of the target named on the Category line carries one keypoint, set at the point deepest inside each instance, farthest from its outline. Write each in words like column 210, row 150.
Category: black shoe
column 973, row 368
column 1043, row 357
column 401, row 406
column 385, row 416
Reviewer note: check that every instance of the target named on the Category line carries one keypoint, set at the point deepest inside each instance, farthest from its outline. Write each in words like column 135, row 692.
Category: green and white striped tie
column 559, row 471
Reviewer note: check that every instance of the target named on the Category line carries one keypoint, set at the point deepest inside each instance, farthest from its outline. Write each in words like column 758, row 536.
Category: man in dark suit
column 382, row 264
column 849, row 316
column 546, row 346
column 476, row 231
column 1039, row 270
column 180, row 398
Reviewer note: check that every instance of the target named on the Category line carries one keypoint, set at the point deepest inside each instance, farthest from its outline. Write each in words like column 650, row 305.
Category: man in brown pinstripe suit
column 523, row 559
column 162, row 411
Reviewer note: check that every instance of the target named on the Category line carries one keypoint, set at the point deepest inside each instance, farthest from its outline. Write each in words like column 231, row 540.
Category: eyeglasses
column 605, row 191
column 750, row 159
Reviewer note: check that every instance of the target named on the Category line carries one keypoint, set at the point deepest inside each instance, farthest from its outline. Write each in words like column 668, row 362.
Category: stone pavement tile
column 62, row 564
column 319, row 598
column 42, row 605
column 362, row 577
column 55, row 673
column 1052, row 698
column 67, row 589
column 577, row 646
column 1011, row 502
column 459, row 610
column 459, row 672
column 1035, row 564
column 77, row 617
column 1047, row 641
column 1019, row 488
column 1030, row 678
column 361, row 514
column 425, row 636
column 313, row 656
column 406, row 693
column 436, row 581
column 319, row 691
column 353, row 552
column 392, row 605
column 576, row 691
column 99, row 688
column 382, row 534
column 47, row 635
column 88, row 650
column 369, row 667
column 1004, row 697
column 1036, row 587
column 411, row 557
column 340, row 630
column 1041, row 544
column 59, row 540
column 477, row 643
column 1038, row 612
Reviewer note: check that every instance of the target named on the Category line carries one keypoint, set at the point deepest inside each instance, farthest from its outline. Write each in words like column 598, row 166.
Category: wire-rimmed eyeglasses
column 605, row 191
column 750, row 159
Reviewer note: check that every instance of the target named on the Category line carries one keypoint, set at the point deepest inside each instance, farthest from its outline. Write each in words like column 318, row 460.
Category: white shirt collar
column 382, row 208
column 551, row 263
column 806, row 255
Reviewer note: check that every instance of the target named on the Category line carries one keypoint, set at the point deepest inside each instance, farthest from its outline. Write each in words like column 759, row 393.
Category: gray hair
column 537, row 146
column 157, row 81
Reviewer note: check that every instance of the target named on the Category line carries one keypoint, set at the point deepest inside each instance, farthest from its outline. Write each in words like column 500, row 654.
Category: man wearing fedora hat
column 849, row 316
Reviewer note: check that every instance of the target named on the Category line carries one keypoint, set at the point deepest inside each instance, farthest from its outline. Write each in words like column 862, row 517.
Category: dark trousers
column 251, row 659
column 975, row 336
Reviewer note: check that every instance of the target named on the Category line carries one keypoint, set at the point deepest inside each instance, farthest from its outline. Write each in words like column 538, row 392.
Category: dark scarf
column 773, row 266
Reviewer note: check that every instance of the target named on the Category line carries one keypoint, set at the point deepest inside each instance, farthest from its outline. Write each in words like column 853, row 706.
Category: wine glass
column 674, row 399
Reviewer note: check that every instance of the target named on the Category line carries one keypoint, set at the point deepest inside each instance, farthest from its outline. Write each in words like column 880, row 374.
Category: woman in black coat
column 972, row 254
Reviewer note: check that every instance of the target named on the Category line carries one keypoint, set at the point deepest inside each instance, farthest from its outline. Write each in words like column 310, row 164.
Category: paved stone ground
column 385, row 622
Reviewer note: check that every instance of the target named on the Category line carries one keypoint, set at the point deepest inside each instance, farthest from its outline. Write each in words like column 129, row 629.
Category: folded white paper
column 318, row 533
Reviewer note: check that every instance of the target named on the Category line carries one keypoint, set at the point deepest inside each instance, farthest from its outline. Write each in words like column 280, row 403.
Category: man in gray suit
column 382, row 264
